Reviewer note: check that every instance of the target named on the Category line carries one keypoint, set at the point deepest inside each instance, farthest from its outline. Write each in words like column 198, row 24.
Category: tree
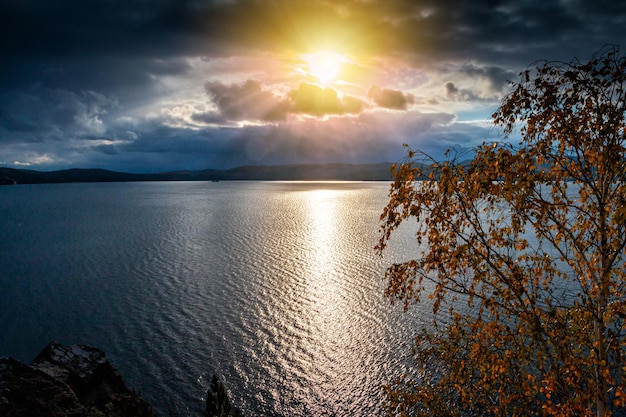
column 522, row 255
column 217, row 402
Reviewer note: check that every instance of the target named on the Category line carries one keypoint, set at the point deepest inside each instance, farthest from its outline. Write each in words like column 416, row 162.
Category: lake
column 275, row 286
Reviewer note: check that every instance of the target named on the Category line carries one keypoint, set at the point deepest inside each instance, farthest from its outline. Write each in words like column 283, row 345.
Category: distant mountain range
column 345, row 172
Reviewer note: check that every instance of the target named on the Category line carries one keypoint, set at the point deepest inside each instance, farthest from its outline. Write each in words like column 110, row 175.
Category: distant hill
column 312, row 172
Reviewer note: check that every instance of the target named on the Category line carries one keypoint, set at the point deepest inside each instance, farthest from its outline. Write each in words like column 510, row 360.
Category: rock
column 73, row 380
column 25, row 391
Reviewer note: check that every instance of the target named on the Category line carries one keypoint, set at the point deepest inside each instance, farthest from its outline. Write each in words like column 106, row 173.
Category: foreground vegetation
column 522, row 254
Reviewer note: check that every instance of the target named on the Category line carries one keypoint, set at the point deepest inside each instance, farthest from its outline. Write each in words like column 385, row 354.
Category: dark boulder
column 25, row 392
column 73, row 380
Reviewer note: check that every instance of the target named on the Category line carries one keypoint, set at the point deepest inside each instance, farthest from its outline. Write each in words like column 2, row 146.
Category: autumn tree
column 521, row 253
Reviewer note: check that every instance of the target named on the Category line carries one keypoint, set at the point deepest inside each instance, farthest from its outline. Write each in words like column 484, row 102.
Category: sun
column 325, row 66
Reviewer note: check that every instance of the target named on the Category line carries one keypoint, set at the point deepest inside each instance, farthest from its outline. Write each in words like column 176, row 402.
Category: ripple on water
column 274, row 286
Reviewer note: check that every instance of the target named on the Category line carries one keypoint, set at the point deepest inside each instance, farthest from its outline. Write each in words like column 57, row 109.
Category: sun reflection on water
column 321, row 207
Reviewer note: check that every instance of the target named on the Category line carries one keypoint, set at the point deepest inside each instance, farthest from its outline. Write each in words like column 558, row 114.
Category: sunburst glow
column 325, row 66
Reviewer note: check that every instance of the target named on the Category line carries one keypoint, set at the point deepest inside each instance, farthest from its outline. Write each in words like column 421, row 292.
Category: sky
column 163, row 85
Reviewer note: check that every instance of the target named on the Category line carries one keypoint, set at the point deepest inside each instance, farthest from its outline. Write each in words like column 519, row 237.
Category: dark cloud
column 40, row 114
column 246, row 101
column 316, row 100
column 496, row 31
column 352, row 105
column 455, row 93
column 70, row 27
column 488, row 83
column 497, row 77
column 492, row 31
column 208, row 117
column 250, row 101
column 153, row 146
column 451, row 90
column 391, row 99
column 106, row 149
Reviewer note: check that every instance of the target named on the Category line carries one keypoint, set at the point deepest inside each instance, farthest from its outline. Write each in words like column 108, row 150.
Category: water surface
column 273, row 285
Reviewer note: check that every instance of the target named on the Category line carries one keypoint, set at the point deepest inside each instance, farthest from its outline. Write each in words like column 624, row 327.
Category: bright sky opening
column 325, row 65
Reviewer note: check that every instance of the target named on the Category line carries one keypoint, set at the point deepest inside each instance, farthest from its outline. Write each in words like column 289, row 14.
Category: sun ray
column 325, row 66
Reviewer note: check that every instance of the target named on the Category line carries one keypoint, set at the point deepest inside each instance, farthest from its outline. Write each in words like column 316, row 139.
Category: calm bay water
column 273, row 285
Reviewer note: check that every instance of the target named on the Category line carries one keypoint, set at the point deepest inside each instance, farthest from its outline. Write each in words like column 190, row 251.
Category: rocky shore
column 64, row 381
